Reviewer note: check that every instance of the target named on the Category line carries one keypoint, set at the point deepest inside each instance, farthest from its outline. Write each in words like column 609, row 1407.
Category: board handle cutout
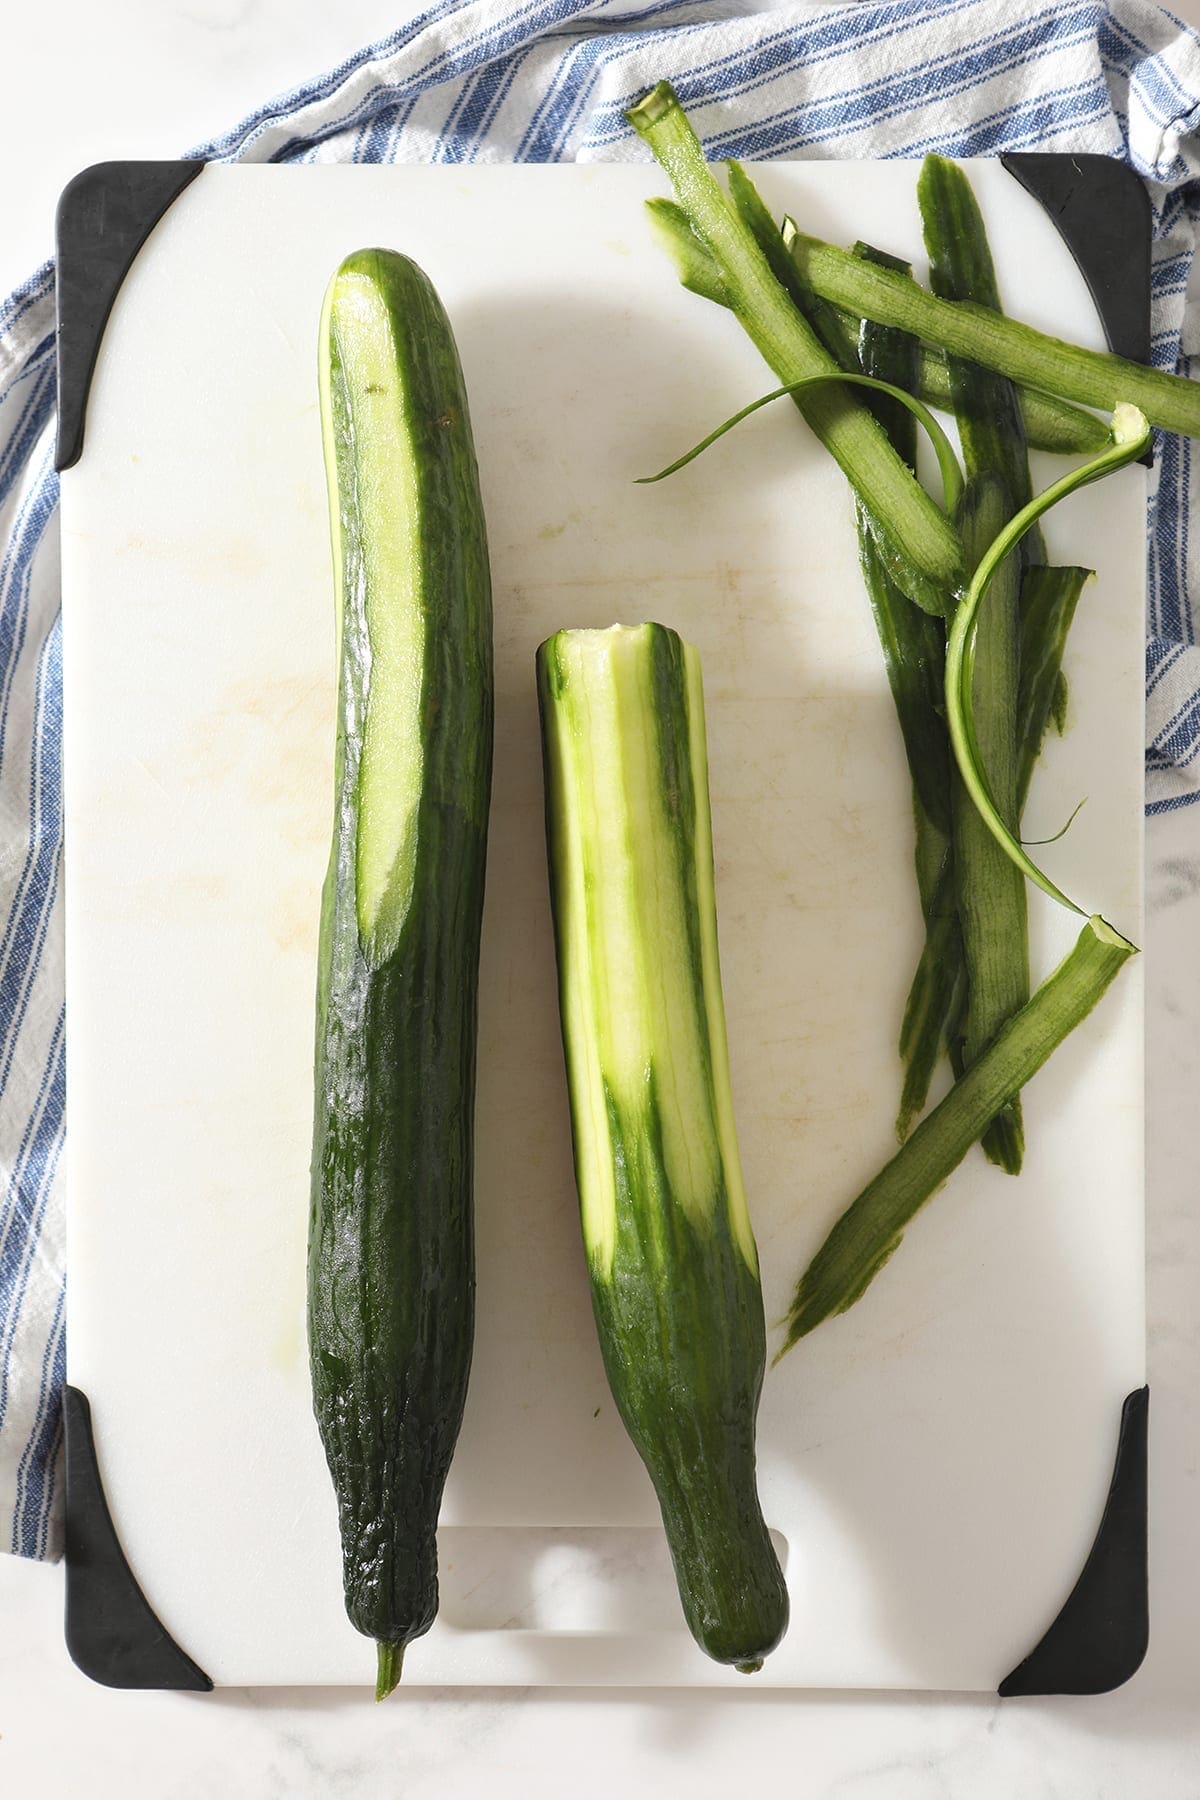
column 594, row 1579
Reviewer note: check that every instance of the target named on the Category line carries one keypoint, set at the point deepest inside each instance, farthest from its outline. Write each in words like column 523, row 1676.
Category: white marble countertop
column 144, row 78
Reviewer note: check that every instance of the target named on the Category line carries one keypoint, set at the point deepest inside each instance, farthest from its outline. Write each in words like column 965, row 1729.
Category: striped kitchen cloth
column 547, row 81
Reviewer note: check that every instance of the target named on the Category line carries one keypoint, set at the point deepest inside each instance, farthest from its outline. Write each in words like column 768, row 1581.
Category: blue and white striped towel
column 547, row 81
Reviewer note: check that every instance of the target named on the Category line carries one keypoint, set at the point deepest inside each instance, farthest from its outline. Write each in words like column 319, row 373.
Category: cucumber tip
column 389, row 1668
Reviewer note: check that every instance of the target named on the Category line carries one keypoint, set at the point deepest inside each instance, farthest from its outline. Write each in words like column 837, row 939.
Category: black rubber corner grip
column 105, row 215
column 1102, row 212
column 1099, row 1638
column 112, row 1632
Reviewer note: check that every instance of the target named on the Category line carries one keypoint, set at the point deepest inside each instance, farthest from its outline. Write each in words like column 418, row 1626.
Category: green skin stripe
column 914, row 655
column 390, row 1269
column 990, row 427
column 991, row 892
column 670, row 1249
column 1048, row 600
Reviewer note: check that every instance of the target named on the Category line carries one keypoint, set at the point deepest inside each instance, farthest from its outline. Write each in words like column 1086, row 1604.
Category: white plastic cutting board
column 936, row 1461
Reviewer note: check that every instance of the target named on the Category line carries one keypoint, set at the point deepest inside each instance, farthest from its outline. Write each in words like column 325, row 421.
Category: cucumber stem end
column 391, row 1663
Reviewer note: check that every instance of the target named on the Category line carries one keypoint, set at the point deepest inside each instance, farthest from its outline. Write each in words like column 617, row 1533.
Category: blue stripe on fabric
column 1182, row 743
column 487, row 114
column 389, row 121
column 1170, row 276
column 45, row 1468
column 32, row 1181
column 15, row 1212
column 543, row 133
column 1184, row 534
column 16, row 568
column 481, row 98
column 567, row 93
column 35, row 901
column 32, row 1507
column 37, row 287
column 1172, row 608
column 823, row 120
column 1171, row 804
column 1169, row 733
column 359, row 139
column 1155, row 674
column 41, row 352
column 33, row 420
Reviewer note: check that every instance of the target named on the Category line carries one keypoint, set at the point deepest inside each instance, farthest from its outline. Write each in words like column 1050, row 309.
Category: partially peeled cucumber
column 670, row 1249
column 391, row 1259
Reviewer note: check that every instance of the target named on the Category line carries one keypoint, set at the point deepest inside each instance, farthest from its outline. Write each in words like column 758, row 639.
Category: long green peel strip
column 914, row 647
column 869, row 1231
column 991, row 892
column 1028, row 357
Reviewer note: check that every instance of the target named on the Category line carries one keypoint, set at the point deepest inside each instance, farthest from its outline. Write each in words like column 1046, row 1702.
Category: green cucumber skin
column 684, row 1347
column 391, row 1254
column 678, row 1309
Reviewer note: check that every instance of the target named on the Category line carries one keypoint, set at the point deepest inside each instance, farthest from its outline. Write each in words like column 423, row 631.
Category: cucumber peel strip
column 1131, row 437
column 922, row 548
column 870, row 1230
column 948, row 465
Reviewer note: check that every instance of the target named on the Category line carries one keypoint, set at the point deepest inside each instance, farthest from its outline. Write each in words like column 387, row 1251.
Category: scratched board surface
column 935, row 1462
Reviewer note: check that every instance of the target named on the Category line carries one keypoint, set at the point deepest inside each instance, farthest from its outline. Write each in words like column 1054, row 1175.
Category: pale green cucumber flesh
column 371, row 431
